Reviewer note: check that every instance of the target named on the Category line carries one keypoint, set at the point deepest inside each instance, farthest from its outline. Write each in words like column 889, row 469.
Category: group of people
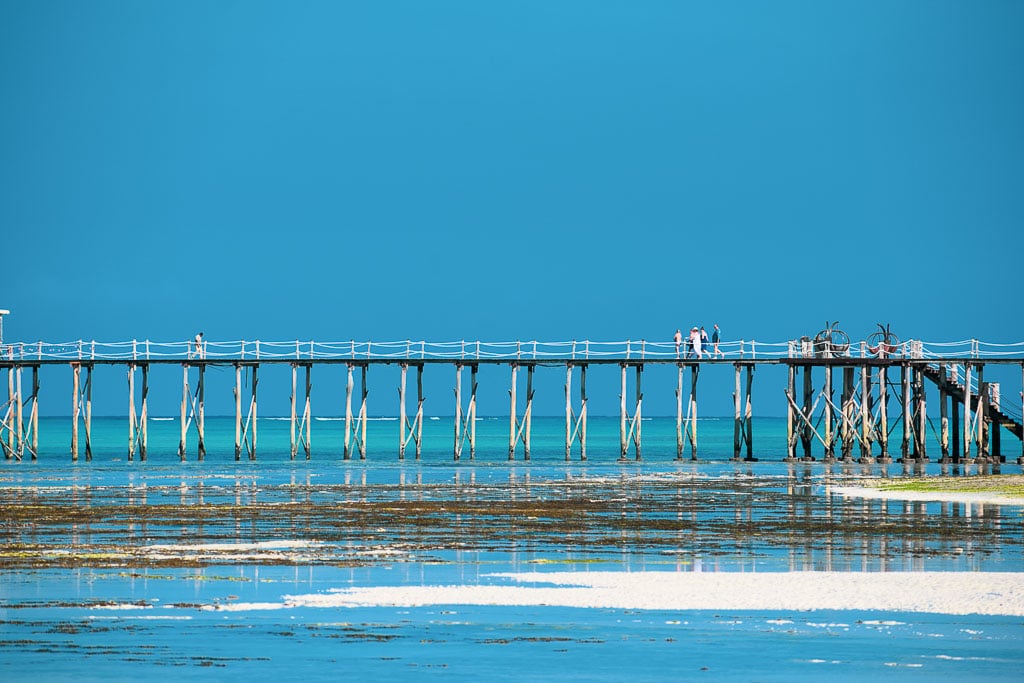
column 697, row 343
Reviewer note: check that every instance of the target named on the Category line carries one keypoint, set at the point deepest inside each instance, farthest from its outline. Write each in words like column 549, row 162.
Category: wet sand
column 990, row 593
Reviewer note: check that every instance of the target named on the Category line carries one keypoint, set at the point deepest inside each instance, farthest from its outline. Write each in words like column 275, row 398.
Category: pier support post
column 200, row 409
column 921, row 413
column 7, row 439
column 805, row 427
column 830, row 453
column 847, row 407
column 954, row 418
column 520, row 430
column 629, row 427
column 865, row 415
column 467, row 425
column 943, row 416
column 791, row 436
column 34, row 413
column 692, row 418
column 238, row 411
column 575, row 425
column 347, row 452
column 307, row 414
column 737, row 424
column 76, row 407
column 883, row 415
column 679, row 411
column 416, row 426
column 184, row 412
column 82, row 394
column 907, row 412
column 748, row 419
column 968, row 428
column 291, row 422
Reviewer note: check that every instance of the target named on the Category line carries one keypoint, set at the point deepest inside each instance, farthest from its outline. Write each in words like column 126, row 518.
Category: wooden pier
column 849, row 401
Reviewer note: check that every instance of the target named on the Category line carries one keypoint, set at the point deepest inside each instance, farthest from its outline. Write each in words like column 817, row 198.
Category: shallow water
column 114, row 570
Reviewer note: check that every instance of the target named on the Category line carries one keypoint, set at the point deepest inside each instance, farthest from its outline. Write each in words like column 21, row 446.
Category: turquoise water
column 79, row 538
column 273, row 440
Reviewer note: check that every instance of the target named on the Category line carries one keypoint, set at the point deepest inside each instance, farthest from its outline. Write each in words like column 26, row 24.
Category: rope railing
column 630, row 349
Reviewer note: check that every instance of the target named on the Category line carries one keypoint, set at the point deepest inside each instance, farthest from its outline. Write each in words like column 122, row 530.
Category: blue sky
column 497, row 171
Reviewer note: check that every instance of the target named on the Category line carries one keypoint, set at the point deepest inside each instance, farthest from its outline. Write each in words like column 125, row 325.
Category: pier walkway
column 870, row 401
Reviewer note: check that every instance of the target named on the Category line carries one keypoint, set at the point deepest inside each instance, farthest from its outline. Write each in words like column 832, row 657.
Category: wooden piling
column 883, row 415
column 748, row 418
column 865, row 415
column 623, row 443
column 19, row 415
column 131, row 412
column 347, row 452
column 184, row 408
column 922, row 415
column 944, row 418
column 471, row 413
column 76, row 369
column 401, row 412
column 907, row 412
column 583, row 412
column 575, row 425
column 88, row 412
column 790, row 393
column 238, row 411
column 252, row 410
column 362, row 412
column 568, row 410
column 200, row 411
column 846, row 408
column 512, row 415
column 638, row 416
column 694, row 373
column 8, row 438
column 291, row 422
column 737, row 426
column 307, row 415
column 144, row 415
column 968, row 429
column 830, row 454
column 457, row 445
column 805, row 427
column 34, row 414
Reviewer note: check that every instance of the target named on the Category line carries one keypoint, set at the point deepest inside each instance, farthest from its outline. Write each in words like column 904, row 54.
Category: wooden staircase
column 956, row 390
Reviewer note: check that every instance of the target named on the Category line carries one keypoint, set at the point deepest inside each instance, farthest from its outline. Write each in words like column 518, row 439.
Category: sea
column 113, row 568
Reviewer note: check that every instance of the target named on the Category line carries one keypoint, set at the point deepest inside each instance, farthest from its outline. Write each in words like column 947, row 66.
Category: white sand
column 938, row 592
column 976, row 498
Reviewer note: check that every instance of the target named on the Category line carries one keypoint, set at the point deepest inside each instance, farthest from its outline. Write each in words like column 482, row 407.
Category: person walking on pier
column 198, row 351
column 705, row 343
column 715, row 338
column 678, row 339
column 695, row 343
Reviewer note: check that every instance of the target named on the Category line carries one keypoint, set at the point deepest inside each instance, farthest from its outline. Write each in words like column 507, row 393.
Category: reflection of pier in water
column 738, row 521
column 849, row 404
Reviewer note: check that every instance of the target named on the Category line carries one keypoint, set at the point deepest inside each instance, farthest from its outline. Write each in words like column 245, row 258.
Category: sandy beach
column 988, row 593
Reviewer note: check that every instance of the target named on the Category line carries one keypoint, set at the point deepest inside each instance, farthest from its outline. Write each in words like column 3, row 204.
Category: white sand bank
column 938, row 592
column 973, row 498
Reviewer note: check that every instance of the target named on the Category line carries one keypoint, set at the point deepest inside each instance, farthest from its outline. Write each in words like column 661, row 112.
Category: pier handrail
column 580, row 350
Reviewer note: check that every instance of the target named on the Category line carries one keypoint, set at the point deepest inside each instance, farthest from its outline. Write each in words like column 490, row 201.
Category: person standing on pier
column 715, row 338
column 678, row 339
column 198, row 352
column 695, row 343
column 705, row 343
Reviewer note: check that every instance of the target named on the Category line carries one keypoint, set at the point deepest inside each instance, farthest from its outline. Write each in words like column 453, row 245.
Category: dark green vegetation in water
column 677, row 517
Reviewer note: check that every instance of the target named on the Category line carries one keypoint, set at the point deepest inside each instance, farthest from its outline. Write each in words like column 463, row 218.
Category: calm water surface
column 178, row 538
